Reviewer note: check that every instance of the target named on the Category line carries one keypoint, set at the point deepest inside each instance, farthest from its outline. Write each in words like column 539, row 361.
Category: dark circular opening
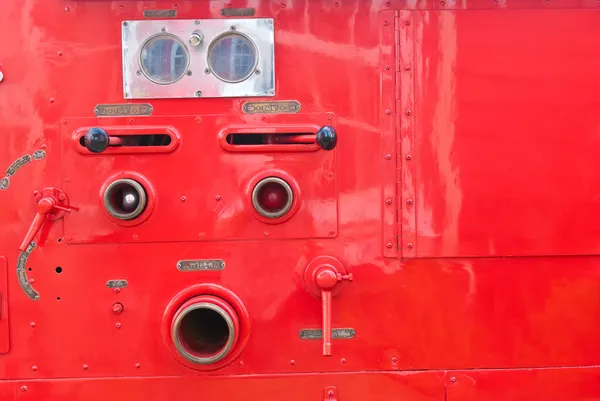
column 58, row 298
column 203, row 331
column 125, row 199
column 58, row 270
column 30, row 269
column 272, row 197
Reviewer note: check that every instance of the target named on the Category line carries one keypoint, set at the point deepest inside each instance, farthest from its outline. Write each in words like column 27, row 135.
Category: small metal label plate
column 17, row 164
column 22, row 273
column 160, row 13
column 281, row 107
column 237, row 12
column 4, row 183
column 39, row 154
column 336, row 334
column 132, row 109
column 195, row 265
column 116, row 283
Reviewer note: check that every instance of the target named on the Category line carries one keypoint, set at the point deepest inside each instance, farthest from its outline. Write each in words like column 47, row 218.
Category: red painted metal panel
column 507, row 125
column 524, row 385
column 351, row 387
column 4, row 318
column 515, row 83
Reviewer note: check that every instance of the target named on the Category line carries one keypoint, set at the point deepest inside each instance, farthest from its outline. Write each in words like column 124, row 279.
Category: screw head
column 388, row 112
column 407, row 22
column 409, row 201
column 388, row 157
column 23, row 388
column 408, row 112
column 388, row 201
column 32, row 324
column 453, row 379
column 343, row 360
column 85, row 367
column 292, row 362
column 137, row 365
column 409, row 245
column 198, row 93
column 183, row 198
column 408, row 157
column 118, row 325
column 34, row 368
column 389, row 245
column 218, row 197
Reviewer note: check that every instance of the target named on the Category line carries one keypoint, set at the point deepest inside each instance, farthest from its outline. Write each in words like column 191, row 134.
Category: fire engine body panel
column 301, row 200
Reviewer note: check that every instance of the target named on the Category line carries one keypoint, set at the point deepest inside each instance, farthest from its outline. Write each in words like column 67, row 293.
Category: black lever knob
column 327, row 137
column 96, row 140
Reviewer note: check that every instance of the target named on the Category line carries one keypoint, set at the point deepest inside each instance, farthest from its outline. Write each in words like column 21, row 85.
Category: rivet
column 64, row 122
column 67, row 180
column 388, row 201
column 130, row 121
column 407, row 22
column 442, row 3
column 388, row 112
column 67, row 9
column 241, row 363
column 117, row 290
column 408, row 157
column 409, row 245
column 408, row 112
column 69, row 238
column 387, row 68
column 329, row 117
column 198, row 93
column 51, row 100
column 218, row 197
column 388, row 156
column 389, row 245
column 343, row 360
column 388, row 4
column 137, row 365
column 59, row 53
column 292, row 362
column 330, row 175
column 266, row 233
column 385, row 23
column 117, row 307
column 34, row 368
column 197, row 22
column 183, row 198
column 23, row 388
column 332, row 233
column 409, row 201
column 31, row 280
column 85, row 367
column 135, row 236
column 394, row 360
column 407, row 67
column 118, row 325
column 453, row 379
column 198, row 119
column 32, row 324
column 138, row 73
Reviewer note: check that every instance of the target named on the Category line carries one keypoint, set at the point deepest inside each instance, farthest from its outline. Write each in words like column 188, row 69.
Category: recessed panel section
column 198, row 58
column 200, row 191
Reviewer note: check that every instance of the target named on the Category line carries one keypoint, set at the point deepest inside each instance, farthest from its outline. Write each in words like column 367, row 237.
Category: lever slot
column 136, row 140
column 126, row 140
column 272, row 138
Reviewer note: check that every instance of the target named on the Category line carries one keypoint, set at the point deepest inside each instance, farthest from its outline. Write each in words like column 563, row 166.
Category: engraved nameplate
column 237, row 12
column 160, row 13
column 116, row 283
column 283, row 107
column 195, row 265
column 130, row 109
column 336, row 334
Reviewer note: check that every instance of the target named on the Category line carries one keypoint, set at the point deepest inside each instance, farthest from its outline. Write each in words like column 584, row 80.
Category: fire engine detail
column 309, row 200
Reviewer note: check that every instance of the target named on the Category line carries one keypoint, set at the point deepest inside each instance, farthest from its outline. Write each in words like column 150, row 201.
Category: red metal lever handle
column 327, row 277
column 45, row 206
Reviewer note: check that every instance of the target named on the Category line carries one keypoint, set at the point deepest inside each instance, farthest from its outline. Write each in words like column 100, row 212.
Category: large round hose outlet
column 205, row 329
column 125, row 199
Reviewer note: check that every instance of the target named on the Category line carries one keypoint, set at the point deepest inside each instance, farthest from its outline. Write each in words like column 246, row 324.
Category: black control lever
column 327, row 137
column 96, row 140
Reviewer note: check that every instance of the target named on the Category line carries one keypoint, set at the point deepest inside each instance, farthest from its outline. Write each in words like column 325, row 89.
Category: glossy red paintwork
column 462, row 196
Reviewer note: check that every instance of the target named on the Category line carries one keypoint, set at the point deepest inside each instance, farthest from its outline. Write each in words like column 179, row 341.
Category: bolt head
column 196, row 39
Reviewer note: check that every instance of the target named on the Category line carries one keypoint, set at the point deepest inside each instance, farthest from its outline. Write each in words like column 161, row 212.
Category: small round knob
column 327, row 137
column 96, row 140
column 195, row 39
